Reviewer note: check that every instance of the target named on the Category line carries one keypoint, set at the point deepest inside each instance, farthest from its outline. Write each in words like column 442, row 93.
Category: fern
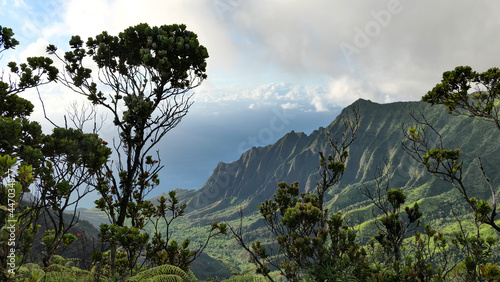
column 56, row 276
column 245, row 278
column 31, row 272
column 66, row 262
column 166, row 278
column 57, row 268
column 164, row 273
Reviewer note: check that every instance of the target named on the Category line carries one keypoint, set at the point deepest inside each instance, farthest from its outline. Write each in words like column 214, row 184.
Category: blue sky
column 270, row 58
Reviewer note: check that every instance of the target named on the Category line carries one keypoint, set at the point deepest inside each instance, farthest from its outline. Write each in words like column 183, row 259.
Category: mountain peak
column 363, row 101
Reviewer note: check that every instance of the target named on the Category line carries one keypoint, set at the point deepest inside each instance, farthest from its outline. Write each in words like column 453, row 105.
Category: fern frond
column 166, row 278
column 56, row 268
column 166, row 271
column 245, row 278
column 57, row 276
column 31, row 266
column 31, row 271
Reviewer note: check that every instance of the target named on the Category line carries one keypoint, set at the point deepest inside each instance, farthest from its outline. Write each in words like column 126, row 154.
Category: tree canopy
column 465, row 91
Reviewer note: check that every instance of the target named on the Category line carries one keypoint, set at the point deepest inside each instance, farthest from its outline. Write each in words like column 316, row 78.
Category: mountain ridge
column 253, row 178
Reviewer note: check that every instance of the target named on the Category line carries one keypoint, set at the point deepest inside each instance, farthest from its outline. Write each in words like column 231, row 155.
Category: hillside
column 253, row 178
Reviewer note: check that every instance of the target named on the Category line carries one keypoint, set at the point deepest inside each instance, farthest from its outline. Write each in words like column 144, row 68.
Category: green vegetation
column 428, row 214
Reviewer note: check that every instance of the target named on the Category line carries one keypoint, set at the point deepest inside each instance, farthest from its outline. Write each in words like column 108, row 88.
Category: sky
column 274, row 65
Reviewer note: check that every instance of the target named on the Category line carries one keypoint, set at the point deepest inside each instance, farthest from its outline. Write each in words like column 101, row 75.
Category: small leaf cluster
column 455, row 87
column 7, row 40
column 477, row 252
column 163, row 249
column 49, row 238
column 308, row 240
column 436, row 157
column 130, row 239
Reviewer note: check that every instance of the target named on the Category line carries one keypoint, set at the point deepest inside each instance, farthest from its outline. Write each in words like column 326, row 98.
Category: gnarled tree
column 464, row 92
column 144, row 78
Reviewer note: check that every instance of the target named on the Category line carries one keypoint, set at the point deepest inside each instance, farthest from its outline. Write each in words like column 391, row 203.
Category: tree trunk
column 112, row 259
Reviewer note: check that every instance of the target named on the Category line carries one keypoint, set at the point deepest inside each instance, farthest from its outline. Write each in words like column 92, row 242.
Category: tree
column 468, row 93
column 7, row 40
column 71, row 161
column 147, row 73
column 455, row 88
column 455, row 92
column 393, row 226
column 163, row 249
column 144, row 79
column 11, row 192
column 20, row 140
column 310, row 239
column 63, row 163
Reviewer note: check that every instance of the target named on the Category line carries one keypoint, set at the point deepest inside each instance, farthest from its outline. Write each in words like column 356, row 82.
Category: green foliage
column 324, row 247
column 163, row 249
column 476, row 251
column 427, row 258
column 31, row 272
column 393, row 226
column 149, row 72
column 71, row 160
column 13, row 184
column 454, row 92
column 60, row 270
column 244, row 278
column 7, row 41
column 49, row 239
column 164, row 272
column 102, row 264
column 129, row 238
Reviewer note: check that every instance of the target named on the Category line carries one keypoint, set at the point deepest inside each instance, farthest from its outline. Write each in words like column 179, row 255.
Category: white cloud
column 342, row 92
column 289, row 106
column 253, row 45
column 36, row 48
column 402, row 55
column 285, row 95
column 319, row 104
column 17, row 3
column 89, row 18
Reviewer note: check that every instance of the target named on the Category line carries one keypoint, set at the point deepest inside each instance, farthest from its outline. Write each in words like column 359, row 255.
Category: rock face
column 253, row 178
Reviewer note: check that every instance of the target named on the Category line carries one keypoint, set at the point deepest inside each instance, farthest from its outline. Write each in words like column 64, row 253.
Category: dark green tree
column 71, row 160
column 463, row 92
column 144, row 80
column 20, row 139
column 7, row 40
column 163, row 249
column 63, row 163
column 396, row 220
column 467, row 92
column 147, row 73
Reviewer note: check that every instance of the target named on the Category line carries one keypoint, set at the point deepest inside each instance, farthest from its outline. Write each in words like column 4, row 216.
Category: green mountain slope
column 253, row 178
column 247, row 182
